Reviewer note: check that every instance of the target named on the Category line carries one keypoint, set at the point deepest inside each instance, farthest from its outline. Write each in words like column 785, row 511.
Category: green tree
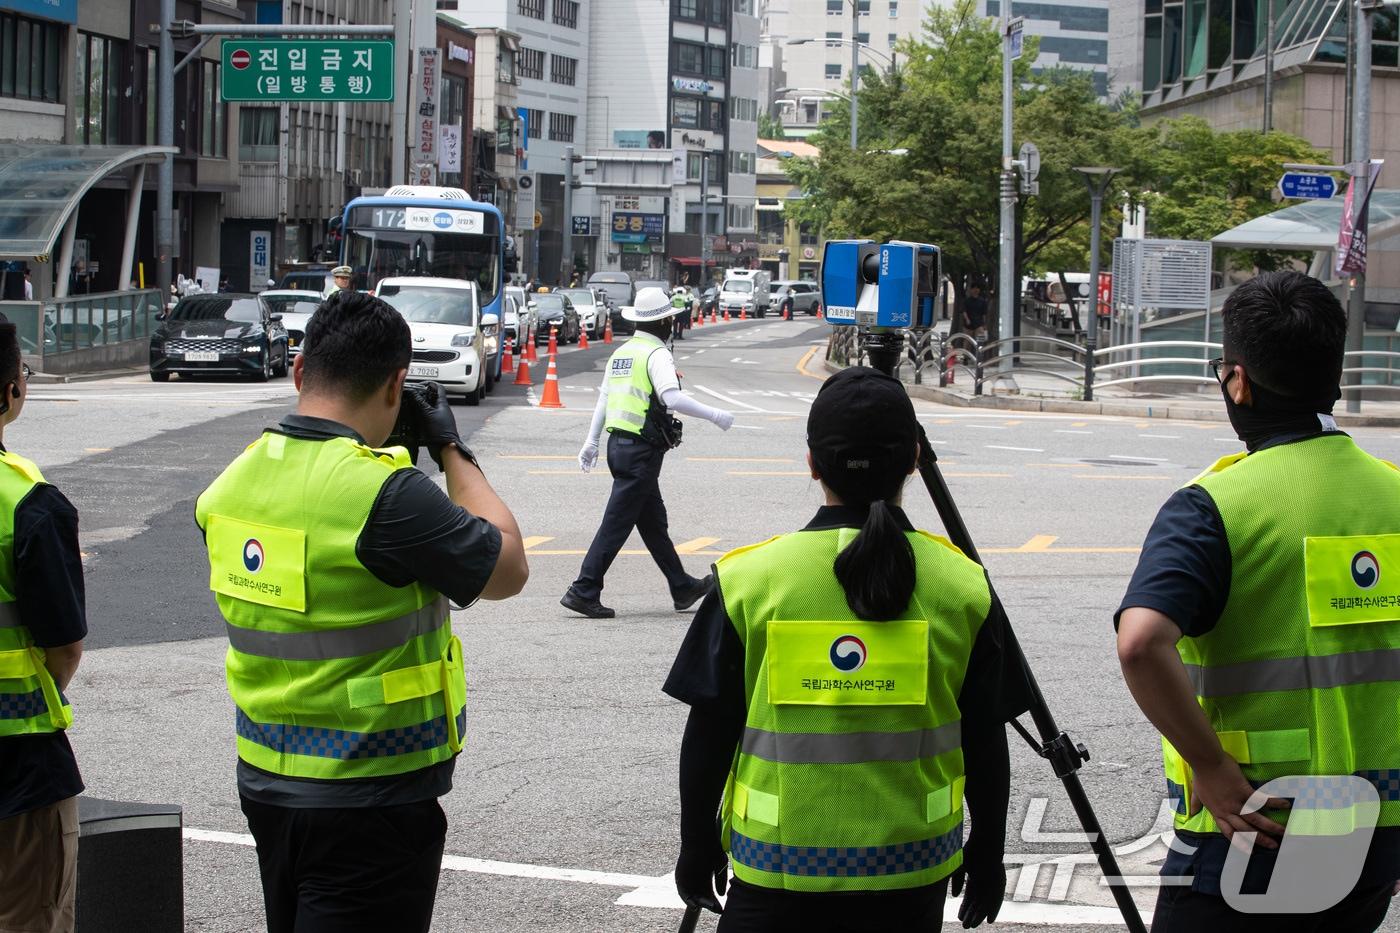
column 769, row 127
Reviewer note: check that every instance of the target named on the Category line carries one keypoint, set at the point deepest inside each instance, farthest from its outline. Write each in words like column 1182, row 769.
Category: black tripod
column 1066, row 757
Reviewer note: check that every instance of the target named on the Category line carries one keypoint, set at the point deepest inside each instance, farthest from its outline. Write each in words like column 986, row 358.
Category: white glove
column 724, row 419
column 588, row 456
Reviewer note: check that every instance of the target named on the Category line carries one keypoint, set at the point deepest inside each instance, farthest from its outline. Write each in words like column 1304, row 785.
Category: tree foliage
column 928, row 163
column 769, row 127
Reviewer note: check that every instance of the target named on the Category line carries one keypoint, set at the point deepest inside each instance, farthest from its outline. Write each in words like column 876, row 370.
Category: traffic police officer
column 848, row 686
column 42, row 626
column 680, row 320
column 340, row 278
column 1261, row 630
column 640, row 389
column 333, row 561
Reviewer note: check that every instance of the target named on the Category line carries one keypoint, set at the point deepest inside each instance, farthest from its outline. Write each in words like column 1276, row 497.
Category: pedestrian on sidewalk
column 43, row 622
column 640, row 390
column 974, row 312
column 1260, row 634
column 334, row 562
column 848, row 682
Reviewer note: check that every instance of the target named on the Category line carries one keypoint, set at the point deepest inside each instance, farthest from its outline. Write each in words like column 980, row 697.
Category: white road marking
column 989, row 427
column 734, row 401
column 1034, row 450
column 1137, row 459
column 1064, row 431
column 1226, row 440
column 1163, row 437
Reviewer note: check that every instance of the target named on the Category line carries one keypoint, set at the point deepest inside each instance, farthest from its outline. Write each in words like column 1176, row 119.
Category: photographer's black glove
column 436, row 426
column 702, row 870
column 984, row 875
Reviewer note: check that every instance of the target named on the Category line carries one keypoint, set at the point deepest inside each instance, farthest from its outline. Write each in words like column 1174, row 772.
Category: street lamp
column 1096, row 179
column 856, row 46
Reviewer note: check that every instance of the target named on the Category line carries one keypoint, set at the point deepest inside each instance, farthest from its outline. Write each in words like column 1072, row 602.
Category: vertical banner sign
column 259, row 259
column 450, row 149
column 1351, row 239
column 524, row 155
column 525, row 203
column 425, row 106
column 679, row 155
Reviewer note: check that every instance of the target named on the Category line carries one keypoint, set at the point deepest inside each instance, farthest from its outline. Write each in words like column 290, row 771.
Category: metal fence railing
column 82, row 322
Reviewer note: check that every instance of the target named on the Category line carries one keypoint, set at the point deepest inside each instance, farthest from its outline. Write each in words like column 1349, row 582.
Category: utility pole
column 1007, row 286
column 1269, row 67
column 566, row 259
column 398, row 119
column 165, row 136
column 1362, row 12
column 855, row 68
column 1096, row 179
column 705, row 216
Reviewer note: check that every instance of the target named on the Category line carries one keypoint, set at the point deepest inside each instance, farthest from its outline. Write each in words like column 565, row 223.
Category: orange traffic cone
column 701, row 321
column 787, row 312
column 522, row 374
column 726, row 314
column 529, row 353
column 743, row 314
column 508, row 361
column 550, row 398
column 713, row 319
column 607, row 331
column 819, row 311
column 583, row 338
column 553, row 343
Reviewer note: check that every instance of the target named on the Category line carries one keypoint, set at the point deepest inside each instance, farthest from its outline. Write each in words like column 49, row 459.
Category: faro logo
column 442, row 220
column 1365, row 569
column 848, row 654
column 253, row 555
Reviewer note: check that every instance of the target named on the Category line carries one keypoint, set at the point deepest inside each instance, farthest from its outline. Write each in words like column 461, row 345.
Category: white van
column 744, row 290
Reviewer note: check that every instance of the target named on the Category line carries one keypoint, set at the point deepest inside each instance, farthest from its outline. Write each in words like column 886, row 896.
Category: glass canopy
column 1312, row 225
column 43, row 183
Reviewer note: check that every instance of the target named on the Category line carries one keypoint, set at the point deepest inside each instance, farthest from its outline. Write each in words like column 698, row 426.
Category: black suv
column 224, row 334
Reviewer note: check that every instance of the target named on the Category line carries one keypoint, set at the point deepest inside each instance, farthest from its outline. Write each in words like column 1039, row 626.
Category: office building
column 1072, row 33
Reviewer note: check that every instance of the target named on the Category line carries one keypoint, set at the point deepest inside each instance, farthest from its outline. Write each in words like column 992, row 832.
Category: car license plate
column 428, row 372
column 201, row 356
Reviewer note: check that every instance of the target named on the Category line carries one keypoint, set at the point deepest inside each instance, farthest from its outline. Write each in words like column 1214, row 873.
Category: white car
column 449, row 340
column 588, row 307
column 525, row 308
column 296, row 307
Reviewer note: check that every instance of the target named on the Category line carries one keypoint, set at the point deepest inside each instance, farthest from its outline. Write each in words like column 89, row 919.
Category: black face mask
column 1270, row 415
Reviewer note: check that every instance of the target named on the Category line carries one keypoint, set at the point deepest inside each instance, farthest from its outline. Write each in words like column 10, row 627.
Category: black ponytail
column 877, row 568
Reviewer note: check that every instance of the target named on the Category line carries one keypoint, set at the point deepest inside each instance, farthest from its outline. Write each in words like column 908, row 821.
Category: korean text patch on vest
column 1352, row 580
column 621, row 368
column 257, row 563
column 848, row 663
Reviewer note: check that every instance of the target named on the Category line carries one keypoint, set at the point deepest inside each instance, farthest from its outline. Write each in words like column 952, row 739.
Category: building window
column 31, row 58
column 566, row 13
column 715, row 59
column 894, row 9
column 741, row 163
column 561, row 127
column 531, row 63
column 531, row 8
column 741, row 217
column 893, row 38
column 688, row 9
column 692, row 167
column 717, row 13
column 806, row 234
column 562, row 69
column 743, row 108
column 536, row 121
column 744, row 7
column 833, row 71
column 697, row 113
column 863, row 38
column 745, row 56
column 690, row 59
column 257, row 134
column 213, row 115
column 833, row 40
column 835, row 7
column 100, row 72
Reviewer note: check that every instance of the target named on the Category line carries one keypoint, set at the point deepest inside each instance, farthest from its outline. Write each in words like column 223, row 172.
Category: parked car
column 709, row 299
column 296, row 308
column 220, row 333
column 524, row 307
column 307, row 279
column 590, row 311
column 616, row 285
column 449, row 339
column 510, row 318
column 794, row 296
column 554, row 309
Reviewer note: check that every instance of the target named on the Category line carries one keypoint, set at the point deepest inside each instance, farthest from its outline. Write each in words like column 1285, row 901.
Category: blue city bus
column 420, row 230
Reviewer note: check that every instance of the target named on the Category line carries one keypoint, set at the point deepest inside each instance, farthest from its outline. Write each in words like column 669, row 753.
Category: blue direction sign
column 1307, row 186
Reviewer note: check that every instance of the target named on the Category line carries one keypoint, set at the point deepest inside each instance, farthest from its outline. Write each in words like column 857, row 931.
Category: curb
column 64, row 378
column 1125, row 407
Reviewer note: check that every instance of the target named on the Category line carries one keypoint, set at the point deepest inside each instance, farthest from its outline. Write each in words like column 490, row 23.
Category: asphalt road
column 564, row 815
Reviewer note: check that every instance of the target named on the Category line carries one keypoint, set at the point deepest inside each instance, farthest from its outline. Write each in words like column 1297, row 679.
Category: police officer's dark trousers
column 635, row 502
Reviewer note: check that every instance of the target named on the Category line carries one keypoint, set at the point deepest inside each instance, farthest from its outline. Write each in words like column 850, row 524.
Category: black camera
column 406, row 433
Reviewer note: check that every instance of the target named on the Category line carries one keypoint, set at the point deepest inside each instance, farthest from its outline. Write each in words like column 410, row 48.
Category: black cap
column 862, row 424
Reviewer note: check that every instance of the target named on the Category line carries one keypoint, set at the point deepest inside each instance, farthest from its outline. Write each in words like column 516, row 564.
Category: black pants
column 1181, row 910
column 352, row 870
column 751, row 909
column 635, row 502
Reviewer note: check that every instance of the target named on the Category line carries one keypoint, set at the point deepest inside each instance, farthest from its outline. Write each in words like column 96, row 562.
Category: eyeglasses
column 1218, row 362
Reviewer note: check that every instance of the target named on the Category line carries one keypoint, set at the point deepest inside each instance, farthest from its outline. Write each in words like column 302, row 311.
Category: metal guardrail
column 988, row 362
column 81, row 322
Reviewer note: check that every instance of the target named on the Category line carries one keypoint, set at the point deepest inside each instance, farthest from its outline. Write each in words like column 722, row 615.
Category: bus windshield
column 382, row 242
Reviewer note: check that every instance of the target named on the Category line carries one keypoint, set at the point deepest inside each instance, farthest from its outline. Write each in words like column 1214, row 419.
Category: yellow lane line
column 1079, row 424
column 1010, row 424
column 802, row 365
column 1062, row 466
column 1112, row 476
column 695, row 545
column 1038, row 543
column 97, row 450
column 741, row 459
column 534, row 540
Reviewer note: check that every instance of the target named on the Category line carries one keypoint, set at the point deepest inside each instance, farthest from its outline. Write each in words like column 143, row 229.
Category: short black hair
column 354, row 343
column 1289, row 331
column 9, row 353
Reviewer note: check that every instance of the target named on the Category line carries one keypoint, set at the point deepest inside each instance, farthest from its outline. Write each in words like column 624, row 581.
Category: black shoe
column 687, row 598
column 588, row 607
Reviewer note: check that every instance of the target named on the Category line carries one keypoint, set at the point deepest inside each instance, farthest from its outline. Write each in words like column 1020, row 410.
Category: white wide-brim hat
column 651, row 304
column 342, row 270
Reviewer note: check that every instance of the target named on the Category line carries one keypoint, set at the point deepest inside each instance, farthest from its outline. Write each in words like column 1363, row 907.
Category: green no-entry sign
column 307, row 69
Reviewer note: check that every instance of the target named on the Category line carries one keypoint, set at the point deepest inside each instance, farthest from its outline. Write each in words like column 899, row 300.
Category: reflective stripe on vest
column 847, row 716
column 30, row 701
column 1300, row 676
column 335, row 674
column 629, row 384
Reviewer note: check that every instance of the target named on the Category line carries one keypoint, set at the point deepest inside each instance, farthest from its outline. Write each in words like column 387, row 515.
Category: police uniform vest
column 30, row 701
column 1301, row 674
column 850, row 773
column 629, row 385
column 680, row 301
column 334, row 673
